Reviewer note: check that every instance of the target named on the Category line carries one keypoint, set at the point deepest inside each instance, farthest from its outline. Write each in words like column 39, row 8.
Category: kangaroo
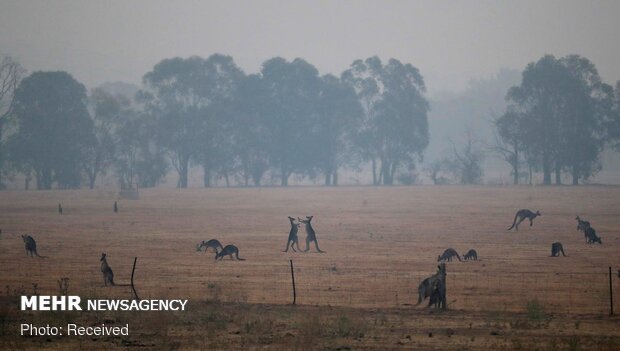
column 60, row 209
column 581, row 224
column 115, row 207
column 522, row 215
column 213, row 243
column 31, row 245
column 108, row 275
column 447, row 255
column 228, row 250
column 311, row 234
column 556, row 248
column 431, row 285
column 292, row 235
column 471, row 255
column 591, row 236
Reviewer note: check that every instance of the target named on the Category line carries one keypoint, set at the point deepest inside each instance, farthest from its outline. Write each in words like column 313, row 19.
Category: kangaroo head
column 577, row 218
column 538, row 213
column 291, row 219
column 102, row 257
column 438, row 258
column 25, row 237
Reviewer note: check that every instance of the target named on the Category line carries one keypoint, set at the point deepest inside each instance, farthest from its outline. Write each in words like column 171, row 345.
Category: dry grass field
column 360, row 294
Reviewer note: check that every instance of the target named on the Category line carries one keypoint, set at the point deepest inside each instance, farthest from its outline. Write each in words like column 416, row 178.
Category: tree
column 467, row 163
column 395, row 126
column 107, row 111
column 10, row 74
column 561, row 104
column 292, row 92
column 508, row 143
column 612, row 122
column 53, row 128
column 139, row 159
column 188, row 96
column 252, row 137
column 337, row 123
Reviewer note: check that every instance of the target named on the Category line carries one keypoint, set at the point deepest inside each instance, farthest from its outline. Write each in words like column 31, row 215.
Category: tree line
column 287, row 120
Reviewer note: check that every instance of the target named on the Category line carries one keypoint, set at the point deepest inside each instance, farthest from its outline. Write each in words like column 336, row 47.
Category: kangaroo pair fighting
column 293, row 238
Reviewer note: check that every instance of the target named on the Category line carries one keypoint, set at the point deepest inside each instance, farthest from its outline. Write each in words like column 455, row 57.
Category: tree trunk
column 335, row 178
column 227, row 180
column 515, row 166
column 206, row 177
column 183, row 170
column 328, row 180
column 546, row 170
column 284, row 174
column 575, row 174
column 558, row 175
column 374, row 172
column 92, row 178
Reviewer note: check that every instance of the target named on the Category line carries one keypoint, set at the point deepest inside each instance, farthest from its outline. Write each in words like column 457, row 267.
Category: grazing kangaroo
column 311, row 234
column 108, row 275
column 556, row 248
column 60, row 209
column 581, row 224
column 447, row 255
column 522, row 215
column 229, row 250
column 591, row 236
column 292, row 235
column 115, row 207
column 213, row 243
column 471, row 255
column 31, row 245
column 432, row 285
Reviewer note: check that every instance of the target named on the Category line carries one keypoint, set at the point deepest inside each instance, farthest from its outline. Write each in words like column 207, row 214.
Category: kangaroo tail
column 457, row 256
column 39, row 256
column 239, row 258
column 514, row 222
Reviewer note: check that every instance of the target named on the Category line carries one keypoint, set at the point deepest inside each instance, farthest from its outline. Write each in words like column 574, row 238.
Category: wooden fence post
column 293, row 278
column 611, row 296
column 135, row 294
column 444, row 291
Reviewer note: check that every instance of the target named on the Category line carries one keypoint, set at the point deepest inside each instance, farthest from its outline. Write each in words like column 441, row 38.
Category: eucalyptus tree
column 292, row 92
column 108, row 111
column 252, row 137
column 394, row 130
column 335, row 128
column 11, row 73
column 53, row 128
column 562, row 103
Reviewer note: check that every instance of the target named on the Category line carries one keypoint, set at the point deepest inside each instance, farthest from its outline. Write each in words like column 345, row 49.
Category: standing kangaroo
column 581, row 224
column 556, row 248
column 228, row 250
column 292, row 235
column 432, row 285
column 60, row 209
column 471, row 255
column 115, row 207
column 108, row 275
column 447, row 255
column 522, row 215
column 31, row 245
column 213, row 243
column 311, row 233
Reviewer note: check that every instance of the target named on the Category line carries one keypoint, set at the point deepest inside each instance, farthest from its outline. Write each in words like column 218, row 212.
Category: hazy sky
column 449, row 41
